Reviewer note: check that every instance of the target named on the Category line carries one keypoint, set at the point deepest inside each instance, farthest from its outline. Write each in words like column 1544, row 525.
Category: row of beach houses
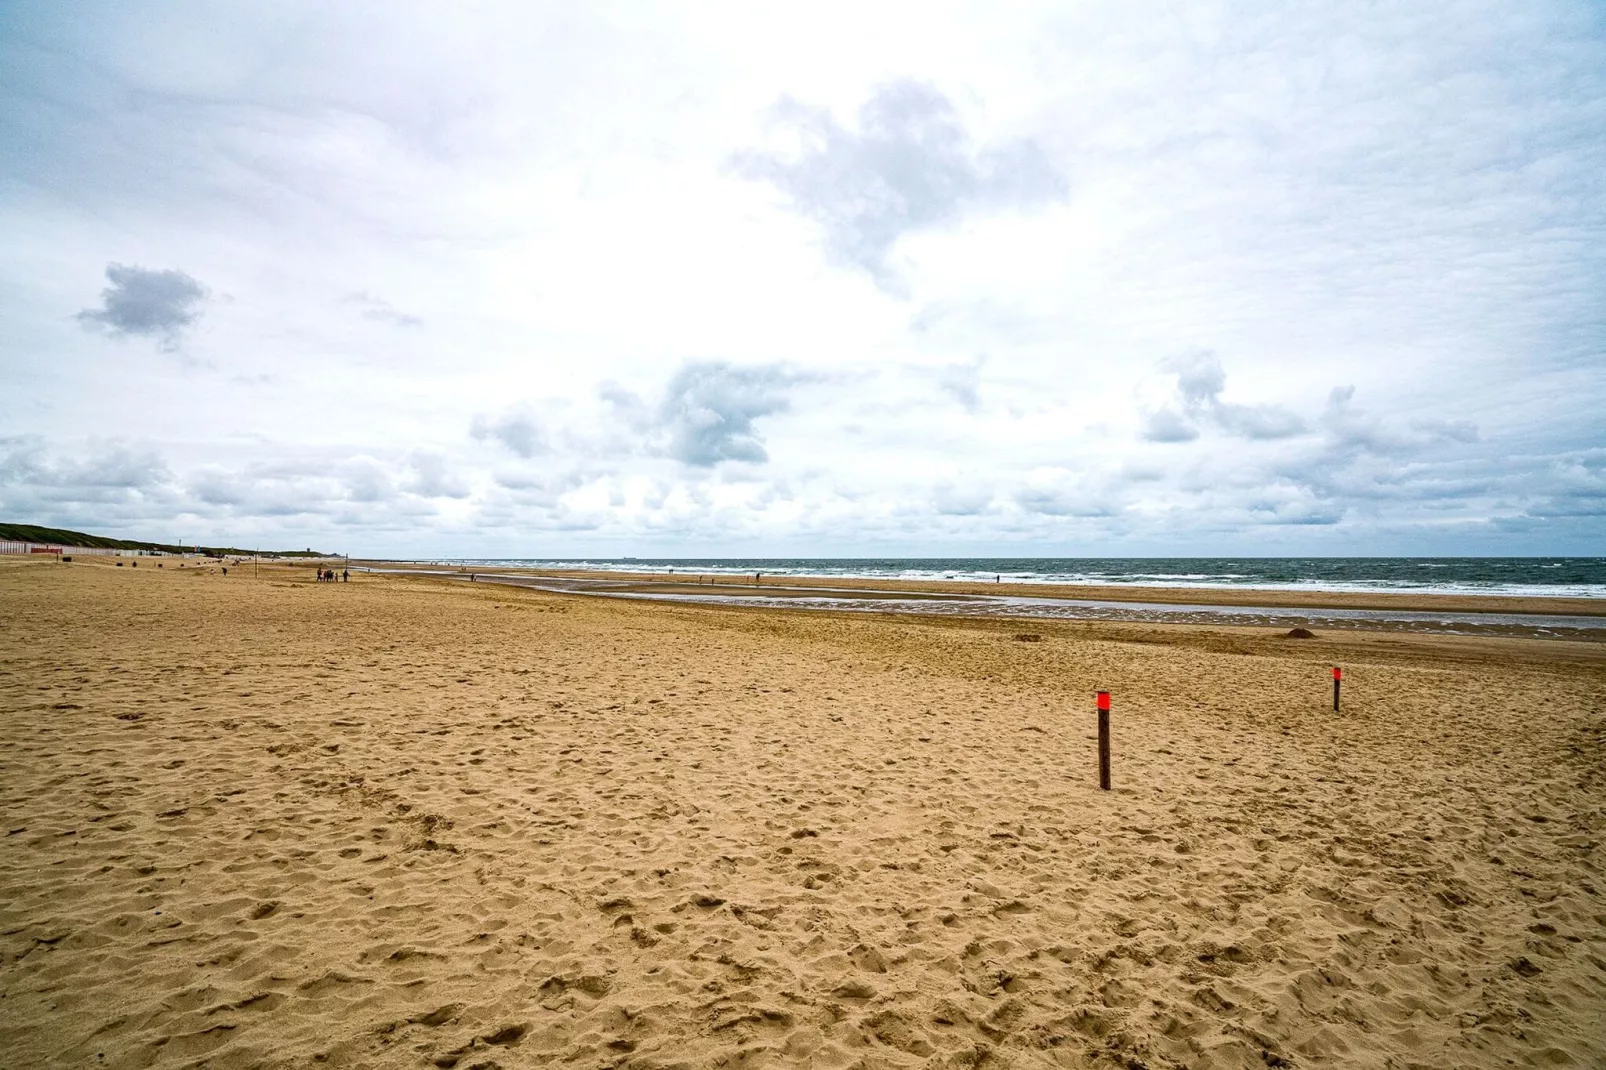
column 7, row 547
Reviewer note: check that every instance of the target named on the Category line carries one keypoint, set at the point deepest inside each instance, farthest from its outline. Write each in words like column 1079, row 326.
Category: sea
column 1554, row 577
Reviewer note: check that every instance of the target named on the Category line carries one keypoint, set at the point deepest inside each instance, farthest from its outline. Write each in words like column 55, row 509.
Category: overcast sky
column 857, row 279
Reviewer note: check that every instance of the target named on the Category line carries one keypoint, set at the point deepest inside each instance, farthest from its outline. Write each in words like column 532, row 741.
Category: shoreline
column 1191, row 596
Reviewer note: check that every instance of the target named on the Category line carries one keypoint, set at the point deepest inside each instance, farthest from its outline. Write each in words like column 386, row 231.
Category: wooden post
column 1104, row 740
column 1338, row 677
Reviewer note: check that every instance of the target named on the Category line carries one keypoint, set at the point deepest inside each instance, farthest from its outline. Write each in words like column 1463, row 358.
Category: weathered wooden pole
column 1104, row 740
column 1338, row 678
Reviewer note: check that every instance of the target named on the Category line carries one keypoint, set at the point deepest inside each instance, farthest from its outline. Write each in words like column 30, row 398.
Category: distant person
column 225, row 570
column 345, row 575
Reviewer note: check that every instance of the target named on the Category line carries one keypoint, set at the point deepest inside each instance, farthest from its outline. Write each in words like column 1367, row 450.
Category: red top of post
column 1104, row 700
column 1338, row 674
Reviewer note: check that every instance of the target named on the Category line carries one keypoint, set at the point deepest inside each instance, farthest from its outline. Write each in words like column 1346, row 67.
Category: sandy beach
column 413, row 822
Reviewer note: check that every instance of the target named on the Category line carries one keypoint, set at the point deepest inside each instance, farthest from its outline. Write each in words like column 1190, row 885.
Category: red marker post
column 1338, row 678
column 1104, row 740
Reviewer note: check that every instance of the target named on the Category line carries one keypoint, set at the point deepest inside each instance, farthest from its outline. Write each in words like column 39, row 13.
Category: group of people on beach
column 329, row 575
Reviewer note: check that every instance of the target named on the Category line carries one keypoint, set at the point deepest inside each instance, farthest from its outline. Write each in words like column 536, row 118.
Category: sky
column 564, row 280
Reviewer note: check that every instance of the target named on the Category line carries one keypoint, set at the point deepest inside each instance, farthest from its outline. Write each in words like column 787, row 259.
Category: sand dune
column 404, row 823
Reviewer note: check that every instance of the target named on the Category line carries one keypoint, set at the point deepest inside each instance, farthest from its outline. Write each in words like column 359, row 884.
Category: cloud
column 22, row 459
column 1200, row 378
column 962, row 382
column 366, row 481
column 967, row 499
column 625, row 404
column 102, row 479
column 378, row 310
column 152, row 304
column 116, row 467
column 1168, row 425
column 909, row 166
column 1351, row 431
column 1059, row 493
column 1409, row 203
column 1258, row 421
column 1453, row 430
column 517, row 431
column 1200, row 381
column 709, row 408
column 1059, row 502
column 432, row 477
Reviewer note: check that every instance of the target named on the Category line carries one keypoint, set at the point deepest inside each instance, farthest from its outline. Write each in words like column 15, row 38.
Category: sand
column 1427, row 601
column 403, row 822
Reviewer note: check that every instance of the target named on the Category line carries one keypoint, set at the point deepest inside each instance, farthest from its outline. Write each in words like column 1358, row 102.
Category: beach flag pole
column 1104, row 740
column 1338, row 678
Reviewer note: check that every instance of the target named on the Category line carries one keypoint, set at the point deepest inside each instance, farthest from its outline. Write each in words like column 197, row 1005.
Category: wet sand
column 811, row 594
column 410, row 822
column 1218, row 596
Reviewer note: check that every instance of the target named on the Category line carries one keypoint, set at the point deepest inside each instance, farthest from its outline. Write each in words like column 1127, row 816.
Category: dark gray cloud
column 709, row 408
column 152, row 304
column 908, row 166
column 516, row 431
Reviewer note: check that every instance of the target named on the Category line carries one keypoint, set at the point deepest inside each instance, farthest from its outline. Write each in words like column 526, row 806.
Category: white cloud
column 378, row 310
column 709, row 409
column 909, row 165
column 518, row 432
column 543, row 280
